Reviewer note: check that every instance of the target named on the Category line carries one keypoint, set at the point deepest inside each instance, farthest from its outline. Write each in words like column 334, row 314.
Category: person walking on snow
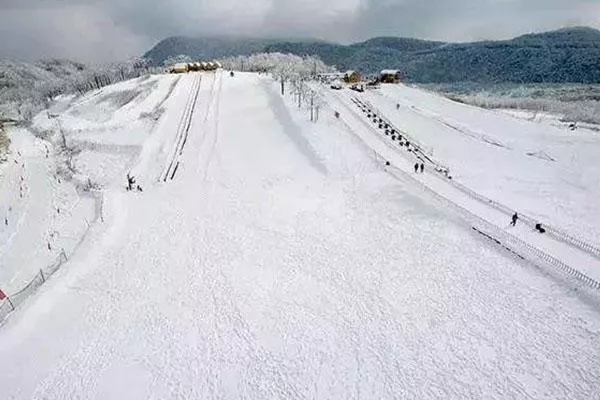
column 416, row 167
column 515, row 217
column 130, row 182
column 422, row 167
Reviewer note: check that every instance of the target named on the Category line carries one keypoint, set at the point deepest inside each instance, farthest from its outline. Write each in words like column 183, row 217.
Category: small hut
column 390, row 76
column 352, row 77
column 195, row 66
column 179, row 68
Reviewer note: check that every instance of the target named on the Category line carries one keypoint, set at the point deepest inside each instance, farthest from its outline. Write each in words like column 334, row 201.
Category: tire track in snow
column 182, row 131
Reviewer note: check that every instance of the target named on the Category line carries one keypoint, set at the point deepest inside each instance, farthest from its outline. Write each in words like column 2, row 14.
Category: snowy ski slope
column 555, row 249
column 548, row 172
column 282, row 260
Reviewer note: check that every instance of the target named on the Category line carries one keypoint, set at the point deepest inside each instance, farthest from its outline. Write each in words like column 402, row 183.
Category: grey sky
column 108, row 30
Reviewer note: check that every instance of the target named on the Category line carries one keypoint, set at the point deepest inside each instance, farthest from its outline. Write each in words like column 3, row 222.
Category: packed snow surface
column 283, row 261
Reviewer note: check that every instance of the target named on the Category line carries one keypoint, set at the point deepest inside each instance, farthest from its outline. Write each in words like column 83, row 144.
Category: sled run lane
column 284, row 262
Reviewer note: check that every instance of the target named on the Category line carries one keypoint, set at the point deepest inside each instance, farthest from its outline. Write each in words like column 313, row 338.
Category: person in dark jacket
column 515, row 217
column 130, row 182
column 416, row 167
column 422, row 167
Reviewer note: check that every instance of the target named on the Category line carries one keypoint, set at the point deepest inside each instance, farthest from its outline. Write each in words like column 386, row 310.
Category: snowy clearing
column 284, row 261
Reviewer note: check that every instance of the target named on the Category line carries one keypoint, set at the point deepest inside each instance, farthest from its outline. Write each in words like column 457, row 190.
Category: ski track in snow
column 256, row 275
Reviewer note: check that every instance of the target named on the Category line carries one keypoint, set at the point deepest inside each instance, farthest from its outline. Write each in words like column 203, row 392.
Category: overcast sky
column 109, row 30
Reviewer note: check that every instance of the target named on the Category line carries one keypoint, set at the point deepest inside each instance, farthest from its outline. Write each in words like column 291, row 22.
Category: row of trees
column 4, row 143
column 27, row 88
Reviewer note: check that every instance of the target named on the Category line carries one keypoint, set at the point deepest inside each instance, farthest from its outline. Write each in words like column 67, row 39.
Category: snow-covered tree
column 283, row 67
column 181, row 58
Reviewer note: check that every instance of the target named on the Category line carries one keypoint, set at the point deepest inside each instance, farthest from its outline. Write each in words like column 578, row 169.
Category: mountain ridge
column 563, row 55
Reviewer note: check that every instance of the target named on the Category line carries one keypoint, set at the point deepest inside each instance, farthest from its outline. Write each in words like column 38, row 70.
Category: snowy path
column 283, row 262
column 574, row 257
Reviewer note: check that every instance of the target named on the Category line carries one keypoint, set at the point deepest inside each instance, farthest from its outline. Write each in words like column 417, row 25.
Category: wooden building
column 390, row 76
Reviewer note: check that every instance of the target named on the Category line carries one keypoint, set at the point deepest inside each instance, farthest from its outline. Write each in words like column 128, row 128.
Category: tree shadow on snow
column 293, row 130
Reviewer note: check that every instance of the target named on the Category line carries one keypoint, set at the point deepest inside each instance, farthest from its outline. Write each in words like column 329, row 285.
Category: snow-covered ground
column 547, row 119
column 42, row 214
column 547, row 172
column 283, row 261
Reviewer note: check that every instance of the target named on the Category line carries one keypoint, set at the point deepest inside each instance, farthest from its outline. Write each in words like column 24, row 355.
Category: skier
column 416, row 167
column 515, row 217
column 397, row 106
column 422, row 167
column 231, row 74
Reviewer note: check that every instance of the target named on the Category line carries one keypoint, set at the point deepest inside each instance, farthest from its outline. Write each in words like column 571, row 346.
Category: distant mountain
column 207, row 48
column 565, row 55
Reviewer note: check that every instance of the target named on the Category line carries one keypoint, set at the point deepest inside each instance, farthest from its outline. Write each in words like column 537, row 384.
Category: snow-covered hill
column 544, row 171
column 28, row 87
column 272, row 257
column 80, row 144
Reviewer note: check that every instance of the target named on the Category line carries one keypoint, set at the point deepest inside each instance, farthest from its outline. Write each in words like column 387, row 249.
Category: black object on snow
column 130, row 182
column 540, row 228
